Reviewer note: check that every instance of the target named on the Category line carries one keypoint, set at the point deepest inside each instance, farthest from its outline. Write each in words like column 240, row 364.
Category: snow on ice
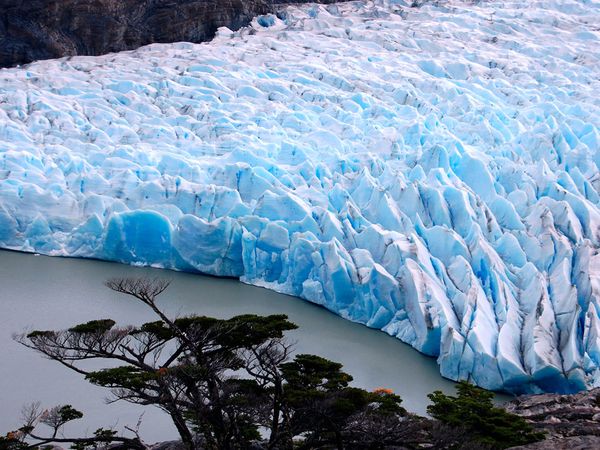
column 430, row 171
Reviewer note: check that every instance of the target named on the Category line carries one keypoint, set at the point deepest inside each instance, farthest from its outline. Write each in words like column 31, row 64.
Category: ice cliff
column 430, row 171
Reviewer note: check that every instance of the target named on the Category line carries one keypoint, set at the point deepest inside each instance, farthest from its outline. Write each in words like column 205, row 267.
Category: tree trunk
column 218, row 423
column 274, row 438
column 186, row 436
column 339, row 441
column 285, row 441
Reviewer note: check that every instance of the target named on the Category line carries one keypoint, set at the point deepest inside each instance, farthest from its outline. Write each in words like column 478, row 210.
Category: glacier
column 430, row 170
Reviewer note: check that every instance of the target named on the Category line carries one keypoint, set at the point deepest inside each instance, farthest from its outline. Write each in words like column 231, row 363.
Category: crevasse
column 430, row 171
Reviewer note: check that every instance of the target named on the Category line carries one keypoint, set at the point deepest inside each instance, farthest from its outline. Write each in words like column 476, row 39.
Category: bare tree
column 263, row 363
column 55, row 419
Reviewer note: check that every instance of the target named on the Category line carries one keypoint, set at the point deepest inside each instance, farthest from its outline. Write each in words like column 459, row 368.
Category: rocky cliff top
column 571, row 422
column 41, row 29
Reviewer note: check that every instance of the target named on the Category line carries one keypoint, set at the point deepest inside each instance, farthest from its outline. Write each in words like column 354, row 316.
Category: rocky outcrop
column 43, row 29
column 565, row 443
column 169, row 445
column 570, row 421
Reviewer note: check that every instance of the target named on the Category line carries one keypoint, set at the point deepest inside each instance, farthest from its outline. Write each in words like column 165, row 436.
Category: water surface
column 51, row 293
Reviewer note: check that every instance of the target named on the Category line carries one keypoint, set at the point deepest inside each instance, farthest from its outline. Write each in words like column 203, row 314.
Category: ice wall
column 430, row 171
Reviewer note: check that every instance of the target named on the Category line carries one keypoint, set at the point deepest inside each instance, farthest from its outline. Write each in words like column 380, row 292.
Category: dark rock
column 568, row 443
column 169, row 445
column 42, row 29
column 177, row 445
column 569, row 421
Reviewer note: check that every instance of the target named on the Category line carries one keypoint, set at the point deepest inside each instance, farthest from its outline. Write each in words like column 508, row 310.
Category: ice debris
column 430, row 171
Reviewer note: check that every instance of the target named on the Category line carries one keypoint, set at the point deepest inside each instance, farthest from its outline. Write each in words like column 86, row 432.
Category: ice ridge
column 432, row 172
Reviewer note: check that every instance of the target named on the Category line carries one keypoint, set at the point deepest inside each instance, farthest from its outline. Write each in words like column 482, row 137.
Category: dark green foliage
column 250, row 330
column 40, row 333
column 473, row 410
column 386, row 402
column 67, row 413
column 158, row 329
column 126, row 377
column 313, row 373
column 104, row 433
column 93, row 326
column 317, row 392
column 242, row 331
column 240, row 401
column 197, row 322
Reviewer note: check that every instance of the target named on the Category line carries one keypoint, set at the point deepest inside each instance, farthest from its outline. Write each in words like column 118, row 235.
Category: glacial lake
column 40, row 292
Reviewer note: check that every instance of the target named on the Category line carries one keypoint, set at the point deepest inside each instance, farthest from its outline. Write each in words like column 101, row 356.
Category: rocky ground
column 41, row 29
column 570, row 421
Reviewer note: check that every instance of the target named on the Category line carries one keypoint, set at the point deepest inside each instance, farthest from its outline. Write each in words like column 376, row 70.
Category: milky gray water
column 50, row 293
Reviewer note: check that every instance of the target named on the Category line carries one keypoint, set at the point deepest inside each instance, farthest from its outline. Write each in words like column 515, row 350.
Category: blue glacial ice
column 432, row 172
